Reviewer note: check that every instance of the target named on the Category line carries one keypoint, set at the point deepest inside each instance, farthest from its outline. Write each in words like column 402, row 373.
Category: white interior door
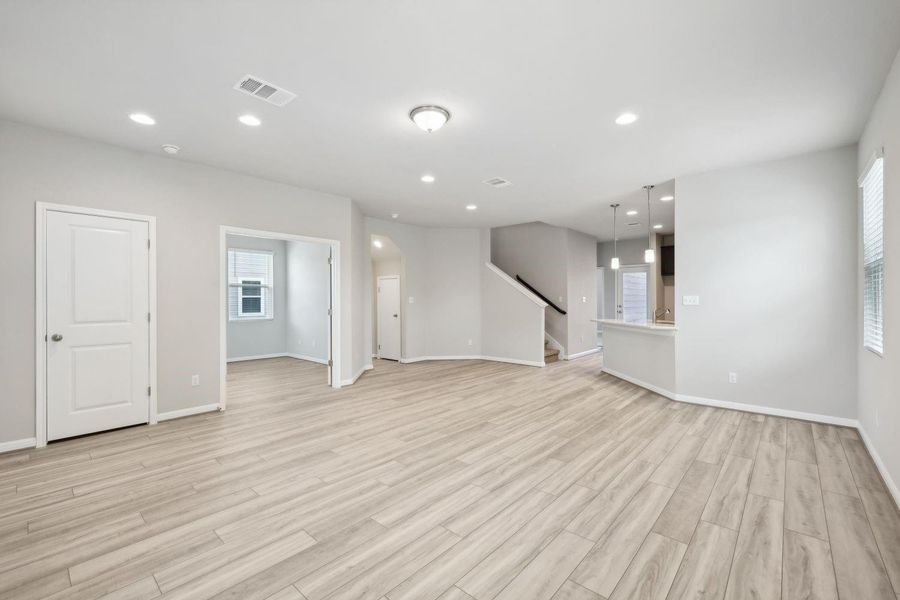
column 633, row 294
column 98, row 331
column 388, row 327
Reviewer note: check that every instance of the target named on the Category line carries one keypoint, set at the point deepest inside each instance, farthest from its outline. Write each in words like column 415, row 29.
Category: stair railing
column 540, row 295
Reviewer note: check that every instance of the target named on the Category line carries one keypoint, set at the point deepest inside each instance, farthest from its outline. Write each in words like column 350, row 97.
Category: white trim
column 358, row 375
column 224, row 232
column 878, row 153
column 40, row 307
column 514, row 361
column 315, row 359
column 258, row 357
column 652, row 328
column 750, row 408
column 187, row 412
column 580, row 354
column 17, row 444
column 653, row 388
column 521, row 288
column 876, row 458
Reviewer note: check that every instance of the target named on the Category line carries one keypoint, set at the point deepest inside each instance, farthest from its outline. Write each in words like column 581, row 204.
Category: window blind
column 250, row 283
column 873, row 256
column 634, row 297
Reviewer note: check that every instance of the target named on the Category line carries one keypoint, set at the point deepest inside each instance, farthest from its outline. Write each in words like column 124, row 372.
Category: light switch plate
column 412, row 300
column 690, row 300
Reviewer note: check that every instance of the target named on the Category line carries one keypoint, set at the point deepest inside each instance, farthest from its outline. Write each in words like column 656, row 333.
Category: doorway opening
column 279, row 306
column 388, row 281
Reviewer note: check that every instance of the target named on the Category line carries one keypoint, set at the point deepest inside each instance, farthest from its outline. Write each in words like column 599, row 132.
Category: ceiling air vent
column 264, row 90
column 497, row 182
column 633, row 223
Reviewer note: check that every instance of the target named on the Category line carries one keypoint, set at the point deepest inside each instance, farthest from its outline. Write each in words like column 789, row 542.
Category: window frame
column 865, row 266
column 267, row 288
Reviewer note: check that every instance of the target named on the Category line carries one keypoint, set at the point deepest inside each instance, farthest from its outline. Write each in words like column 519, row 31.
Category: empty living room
column 476, row 300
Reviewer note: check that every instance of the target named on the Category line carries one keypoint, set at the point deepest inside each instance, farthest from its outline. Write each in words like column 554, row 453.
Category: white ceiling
column 534, row 87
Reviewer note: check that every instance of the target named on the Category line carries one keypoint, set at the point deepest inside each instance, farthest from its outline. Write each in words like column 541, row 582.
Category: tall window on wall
column 873, row 256
column 250, row 281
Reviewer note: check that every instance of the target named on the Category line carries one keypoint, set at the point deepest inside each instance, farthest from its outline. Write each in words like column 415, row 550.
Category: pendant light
column 614, row 263
column 649, row 253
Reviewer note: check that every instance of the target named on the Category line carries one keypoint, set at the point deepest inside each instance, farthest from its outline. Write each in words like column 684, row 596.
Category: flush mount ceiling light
column 649, row 253
column 427, row 178
column 377, row 243
column 631, row 213
column 170, row 148
column 626, row 118
column 395, row 215
column 250, row 120
column 429, row 118
column 471, row 207
column 614, row 263
column 658, row 226
column 667, row 198
column 143, row 119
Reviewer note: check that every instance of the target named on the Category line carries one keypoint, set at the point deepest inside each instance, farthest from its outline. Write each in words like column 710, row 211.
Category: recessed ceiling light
column 429, row 118
column 142, row 118
column 428, row 178
column 471, row 207
column 657, row 226
column 170, row 148
column 250, row 120
column 395, row 215
column 626, row 118
column 667, row 198
column 377, row 243
column 631, row 213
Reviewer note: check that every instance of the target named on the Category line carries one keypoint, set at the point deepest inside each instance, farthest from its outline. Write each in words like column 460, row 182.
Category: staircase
column 551, row 355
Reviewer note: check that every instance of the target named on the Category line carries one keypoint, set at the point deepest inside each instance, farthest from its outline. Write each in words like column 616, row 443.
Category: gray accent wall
column 770, row 249
column 190, row 202
column 879, row 376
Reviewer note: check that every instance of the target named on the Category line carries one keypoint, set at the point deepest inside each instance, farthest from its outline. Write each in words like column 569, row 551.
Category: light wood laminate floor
column 450, row 480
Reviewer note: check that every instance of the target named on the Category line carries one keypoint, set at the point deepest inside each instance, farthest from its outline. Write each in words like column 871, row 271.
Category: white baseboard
column 751, row 408
column 580, row 354
column 876, row 458
column 357, row 376
column 653, row 388
column 315, row 359
column 187, row 412
column 514, row 361
column 17, row 444
column 257, row 357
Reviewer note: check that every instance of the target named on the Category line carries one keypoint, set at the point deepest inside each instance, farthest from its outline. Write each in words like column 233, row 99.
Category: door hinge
column 329, row 312
column 148, row 244
column 330, row 364
column 148, row 317
column 330, row 261
column 148, row 390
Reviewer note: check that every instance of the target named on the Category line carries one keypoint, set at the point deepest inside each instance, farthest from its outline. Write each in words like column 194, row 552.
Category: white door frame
column 224, row 232
column 399, row 313
column 40, row 306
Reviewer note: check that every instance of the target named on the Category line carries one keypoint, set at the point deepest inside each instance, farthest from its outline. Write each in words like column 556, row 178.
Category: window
column 250, row 281
column 873, row 256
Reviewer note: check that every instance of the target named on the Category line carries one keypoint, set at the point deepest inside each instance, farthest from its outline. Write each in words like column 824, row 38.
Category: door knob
column 56, row 337
column 395, row 316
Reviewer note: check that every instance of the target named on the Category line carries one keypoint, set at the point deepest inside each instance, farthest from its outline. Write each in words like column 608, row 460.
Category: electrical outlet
column 582, row 338
column 195, row 380
column 584, row 299
column 732, row 377
column 470, row 342
column 560, row 298
column 314, row 343
column 690, row 300
column 412, row 300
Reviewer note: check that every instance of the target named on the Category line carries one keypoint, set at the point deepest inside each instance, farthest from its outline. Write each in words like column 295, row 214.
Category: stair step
column 551, row 355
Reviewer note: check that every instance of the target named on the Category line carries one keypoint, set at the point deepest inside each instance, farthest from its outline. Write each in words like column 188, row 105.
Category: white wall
column 879, row 377
column 581, row 263
column 190, row 202
column 538, row 253
column 308, row 282
column 259, row 337
column 771, row 251
column 512, row 319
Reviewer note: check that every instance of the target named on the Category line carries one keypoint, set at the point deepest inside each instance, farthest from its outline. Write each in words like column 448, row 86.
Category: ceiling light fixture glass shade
column 614, row 263
column 142, row 118
column 649, row 253
column 429, row 118
column 428, row 178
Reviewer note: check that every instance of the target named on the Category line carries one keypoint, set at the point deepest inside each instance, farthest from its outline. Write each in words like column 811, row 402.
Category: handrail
column 540, row 295
column 515, row 285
